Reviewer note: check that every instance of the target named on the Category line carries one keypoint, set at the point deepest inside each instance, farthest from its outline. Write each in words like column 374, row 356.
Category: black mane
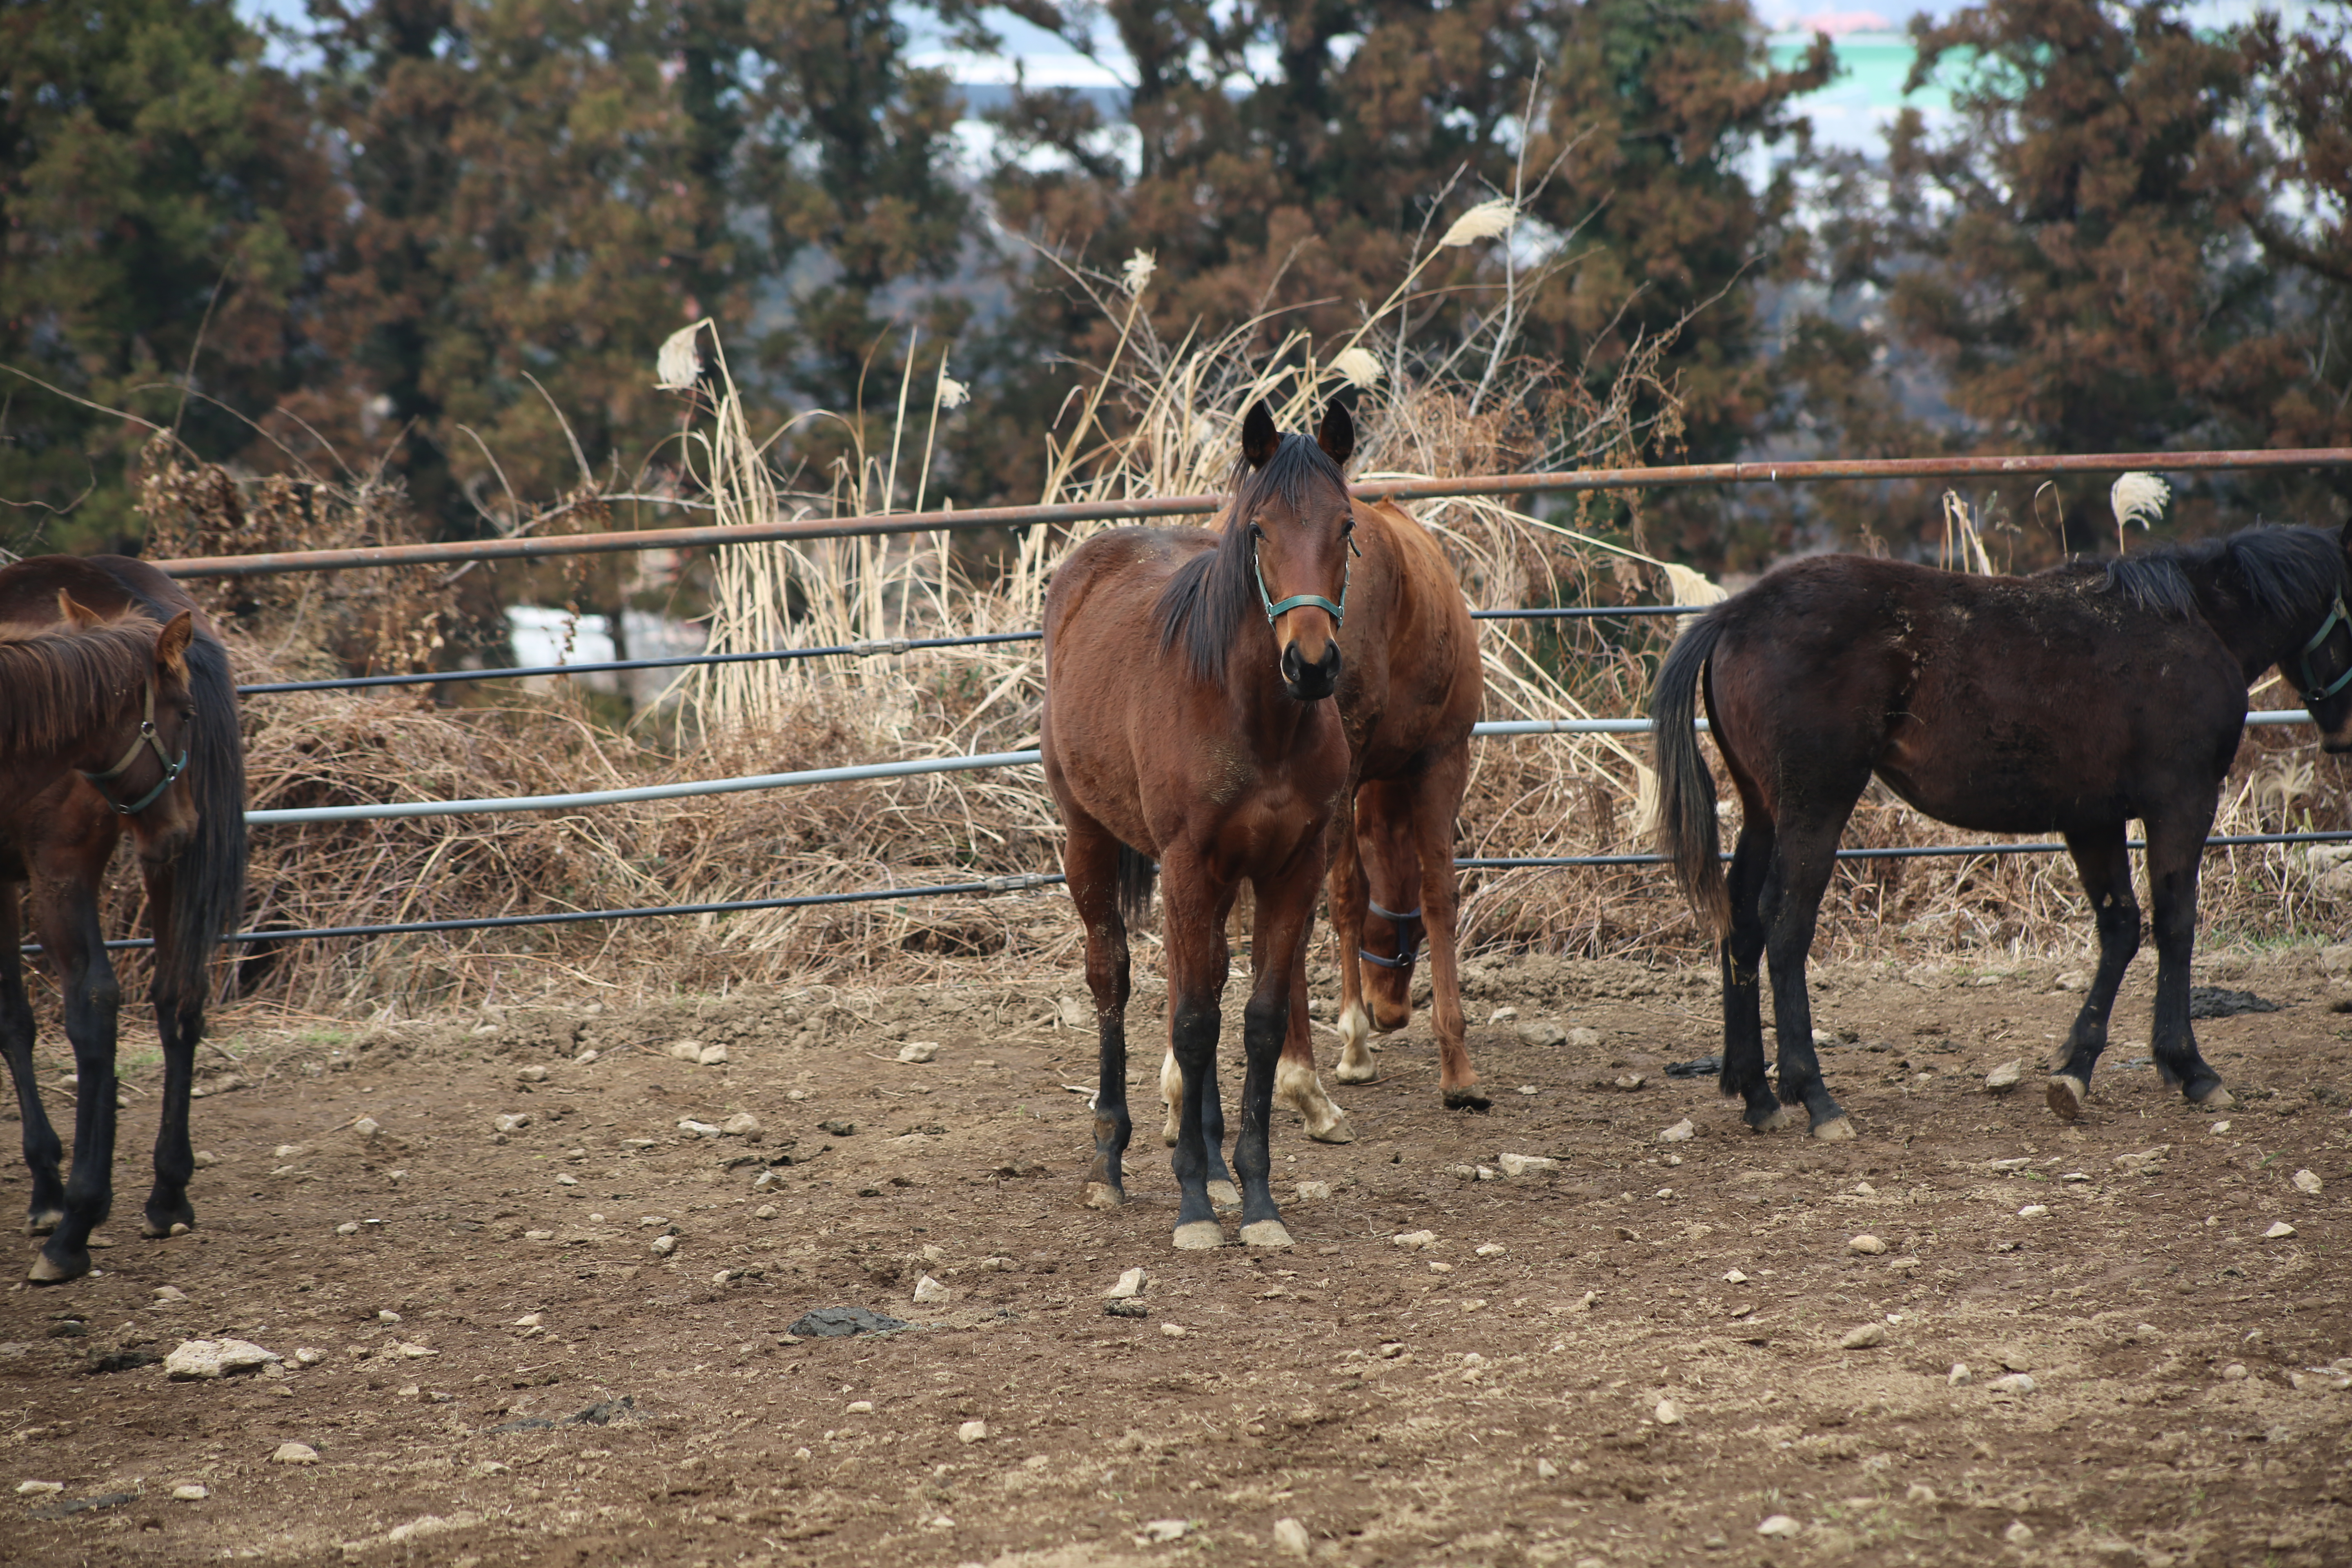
column 1213, row 595
column 2290, row 573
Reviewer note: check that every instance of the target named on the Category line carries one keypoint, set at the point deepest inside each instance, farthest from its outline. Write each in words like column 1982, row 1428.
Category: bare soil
column 1492, row 1397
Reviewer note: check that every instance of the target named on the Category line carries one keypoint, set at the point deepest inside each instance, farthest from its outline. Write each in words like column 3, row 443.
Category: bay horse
column 190, row 836
column 2070, row 702
column 1409, row 696
column 106, row 698
column 1187, row 718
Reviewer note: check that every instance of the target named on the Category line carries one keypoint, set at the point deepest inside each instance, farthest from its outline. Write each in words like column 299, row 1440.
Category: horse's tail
column 207, row 894
column 1687, row 832
column 1136, row 870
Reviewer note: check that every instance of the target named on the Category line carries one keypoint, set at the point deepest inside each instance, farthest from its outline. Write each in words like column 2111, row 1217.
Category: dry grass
column 1158, row 419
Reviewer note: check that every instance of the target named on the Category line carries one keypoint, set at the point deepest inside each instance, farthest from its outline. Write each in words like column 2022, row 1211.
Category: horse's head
column 1392, row 923
column 1294, row 505
column 144, row 756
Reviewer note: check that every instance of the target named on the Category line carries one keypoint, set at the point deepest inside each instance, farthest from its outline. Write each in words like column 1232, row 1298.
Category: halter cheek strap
column 1274, row 610
column 145, row 737
column 2312, row 691
column 1408, row 937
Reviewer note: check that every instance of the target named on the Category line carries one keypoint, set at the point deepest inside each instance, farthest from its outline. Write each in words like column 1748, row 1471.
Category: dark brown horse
column 1187, row 718
column 108, row 699
column 2071, row 701
column 190, row 835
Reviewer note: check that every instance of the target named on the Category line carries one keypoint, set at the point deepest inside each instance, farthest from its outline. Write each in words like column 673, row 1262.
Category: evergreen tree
column 166, row 214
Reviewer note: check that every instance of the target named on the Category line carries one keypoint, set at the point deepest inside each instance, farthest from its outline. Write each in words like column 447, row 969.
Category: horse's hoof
column 2214, row 1099
column 2065, row 1093
column 1772, row 1121
column 48, row 1270
column 1103, row 1195
column 1365, row 1071
column 1224, row 1195
column 1201, row 1235
column 1836, row 1129
column 1468, row 1098
column 43, row 1223
column 1338, row 1130
column 1265, row 1233
column 158, row 1229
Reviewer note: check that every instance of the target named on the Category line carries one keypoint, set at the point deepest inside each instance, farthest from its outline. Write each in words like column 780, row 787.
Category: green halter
column 2312, row 691
column 146, row 737
column 1273, row 610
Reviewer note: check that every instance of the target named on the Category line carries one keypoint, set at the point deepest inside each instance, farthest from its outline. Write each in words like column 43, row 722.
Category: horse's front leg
column 1351, row 897
column 1192, row 928
column 66, row 913
column 2174, row 851
column 42, row 1146
column 2104, row 866
column 1285, row 914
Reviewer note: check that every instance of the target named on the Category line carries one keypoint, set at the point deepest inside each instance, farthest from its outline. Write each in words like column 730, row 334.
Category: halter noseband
column 1274, row 610
column 146, row 737
column 1408, row 937
column 2312, row 691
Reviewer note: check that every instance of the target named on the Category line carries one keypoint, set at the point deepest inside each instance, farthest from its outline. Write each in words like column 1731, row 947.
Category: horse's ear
column 172, row 647
column 1259, row 437
column 74, row 613
column 1338, row 436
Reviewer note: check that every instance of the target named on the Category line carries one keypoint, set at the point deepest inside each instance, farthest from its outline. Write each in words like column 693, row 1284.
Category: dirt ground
column 1637, row 1356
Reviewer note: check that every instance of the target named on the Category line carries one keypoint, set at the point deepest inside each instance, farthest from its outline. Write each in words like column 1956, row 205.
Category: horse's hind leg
column 1090, row 861
column 68, row 920
column 1436, row 798
column 1350, row 888
column 1742, row 960
column 42, row 1147
column 2175, row 848
column 1221, row 1190
column 1804, row 858
column 2105, row 867
column 179, row 1024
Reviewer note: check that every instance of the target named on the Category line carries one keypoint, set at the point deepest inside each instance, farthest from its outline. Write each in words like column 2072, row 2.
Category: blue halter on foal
column 1408, row 937
column 146, row 737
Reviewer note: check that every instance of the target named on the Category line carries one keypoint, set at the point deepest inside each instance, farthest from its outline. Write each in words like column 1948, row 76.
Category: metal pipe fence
column 1142, row 508
column 1138, row 509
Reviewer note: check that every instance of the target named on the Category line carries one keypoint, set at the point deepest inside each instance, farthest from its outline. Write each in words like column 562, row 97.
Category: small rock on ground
column 2007, row 1076
column 1682, row 1132
column 972, row 1432
column 1868, row 1246
column 1780, row 1526
column 1521, row 1166
column 1291, row 1538
column 2308, row 1182
column 929, row 1291
column 215, row 1358
column 1863, row 1337
column 1129, row 1284
column 192, row 1492
column 1416, row 1239
column 295, row 1453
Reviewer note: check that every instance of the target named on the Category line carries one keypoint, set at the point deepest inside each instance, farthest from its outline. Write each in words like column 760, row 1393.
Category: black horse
column 190, row 835
column 2074, row 701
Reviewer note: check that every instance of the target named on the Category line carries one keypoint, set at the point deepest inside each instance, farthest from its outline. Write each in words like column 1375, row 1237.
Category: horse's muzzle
column 1310, row 682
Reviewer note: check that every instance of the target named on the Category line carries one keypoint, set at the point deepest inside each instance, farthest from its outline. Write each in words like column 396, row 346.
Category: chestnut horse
column 189, row 828
column 1187, row 718
column 107, row 699
column 2073, row 701
column 1409, row 696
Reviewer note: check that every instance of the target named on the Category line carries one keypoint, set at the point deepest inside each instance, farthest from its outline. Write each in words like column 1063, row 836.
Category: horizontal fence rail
column 847, row 650
column 1144, row 509
column 688, row 789
column 1027, row 882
